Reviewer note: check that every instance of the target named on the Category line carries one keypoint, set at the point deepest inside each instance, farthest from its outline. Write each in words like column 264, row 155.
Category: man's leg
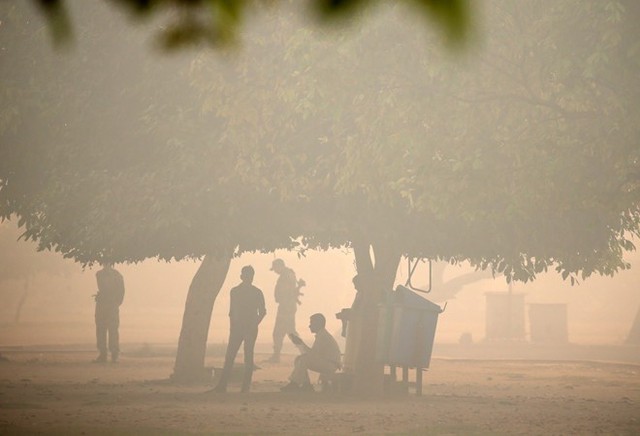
column 114, row 338
column 321, row 366
column 101, row 340
column 300, row 375
column 305, row 363
column 285, row 323
column 278, row 335
column 249, row 344
column 235, row 338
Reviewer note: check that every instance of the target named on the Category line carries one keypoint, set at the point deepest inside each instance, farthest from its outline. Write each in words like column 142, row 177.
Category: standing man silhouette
column 108, row 300
column 246, row 311
column 286, row 293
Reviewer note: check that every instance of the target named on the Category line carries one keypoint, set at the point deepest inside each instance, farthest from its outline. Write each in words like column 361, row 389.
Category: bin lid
column 407, row 297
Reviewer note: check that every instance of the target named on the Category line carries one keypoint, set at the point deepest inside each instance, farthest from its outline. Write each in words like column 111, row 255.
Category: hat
column 278, row 262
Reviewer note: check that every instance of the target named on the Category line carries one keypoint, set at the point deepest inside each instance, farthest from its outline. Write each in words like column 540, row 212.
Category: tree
column 217, row 22
column 500, row 163
column 104, row 188
column 382, row 145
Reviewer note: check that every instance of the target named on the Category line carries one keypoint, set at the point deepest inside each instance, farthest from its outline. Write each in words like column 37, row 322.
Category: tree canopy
column 19, row 261
column 519, row 156
column 218, row 22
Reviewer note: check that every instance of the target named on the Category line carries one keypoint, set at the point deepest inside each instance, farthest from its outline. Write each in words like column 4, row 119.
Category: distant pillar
column 548, row 323
column 634, row 334
column 505, row 316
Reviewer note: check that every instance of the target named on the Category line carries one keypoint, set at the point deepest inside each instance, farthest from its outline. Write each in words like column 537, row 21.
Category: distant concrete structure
column 548, row 323
column 634, row 333
column 505, row 316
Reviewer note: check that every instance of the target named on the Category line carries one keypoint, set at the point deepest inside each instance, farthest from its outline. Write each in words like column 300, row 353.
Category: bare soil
column 56, row 392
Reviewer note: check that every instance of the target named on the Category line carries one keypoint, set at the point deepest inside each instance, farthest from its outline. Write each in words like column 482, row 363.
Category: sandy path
column 60, row 393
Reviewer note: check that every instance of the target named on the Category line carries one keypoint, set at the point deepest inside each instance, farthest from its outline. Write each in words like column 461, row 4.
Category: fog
column 59, row 307
column 153, row 146
column 600, row 310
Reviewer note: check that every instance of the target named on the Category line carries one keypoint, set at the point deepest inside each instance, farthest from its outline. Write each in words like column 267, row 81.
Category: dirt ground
column 58, row 392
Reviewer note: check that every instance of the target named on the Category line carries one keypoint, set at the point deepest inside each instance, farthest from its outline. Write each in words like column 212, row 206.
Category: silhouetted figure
column 323, row 357
column 352, row 324
column 108, row 300
column 246, row 311
column 286, row 294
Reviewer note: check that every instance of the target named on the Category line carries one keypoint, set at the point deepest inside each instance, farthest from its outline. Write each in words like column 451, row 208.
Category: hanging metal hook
column 412, row 270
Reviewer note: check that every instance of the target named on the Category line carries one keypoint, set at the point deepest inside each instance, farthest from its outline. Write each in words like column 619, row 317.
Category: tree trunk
column 204, row 289
column 377, row 278
column 23, row 299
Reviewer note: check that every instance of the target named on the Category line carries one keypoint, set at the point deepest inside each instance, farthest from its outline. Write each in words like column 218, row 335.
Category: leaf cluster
column 519, row 159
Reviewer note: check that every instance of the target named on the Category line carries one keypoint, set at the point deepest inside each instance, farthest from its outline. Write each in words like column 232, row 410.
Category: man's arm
column 298, row 342
column 262, row 310
column 120, row 298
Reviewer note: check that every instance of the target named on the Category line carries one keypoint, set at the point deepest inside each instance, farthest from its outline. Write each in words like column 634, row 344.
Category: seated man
column 322, row 357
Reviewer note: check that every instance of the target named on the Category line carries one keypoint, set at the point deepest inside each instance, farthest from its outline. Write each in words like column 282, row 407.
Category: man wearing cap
column 286, row 295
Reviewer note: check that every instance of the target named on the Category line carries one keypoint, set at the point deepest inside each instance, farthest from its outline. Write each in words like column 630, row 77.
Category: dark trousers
column 285, row 324
column 107, row 336
column 238, row 335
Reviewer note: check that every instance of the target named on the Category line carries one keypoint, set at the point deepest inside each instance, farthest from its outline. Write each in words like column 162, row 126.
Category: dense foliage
column 218, row 22
column 519, row 156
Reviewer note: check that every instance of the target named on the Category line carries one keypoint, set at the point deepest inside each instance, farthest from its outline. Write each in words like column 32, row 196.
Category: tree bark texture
column 377, row 278
column 192, row 345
